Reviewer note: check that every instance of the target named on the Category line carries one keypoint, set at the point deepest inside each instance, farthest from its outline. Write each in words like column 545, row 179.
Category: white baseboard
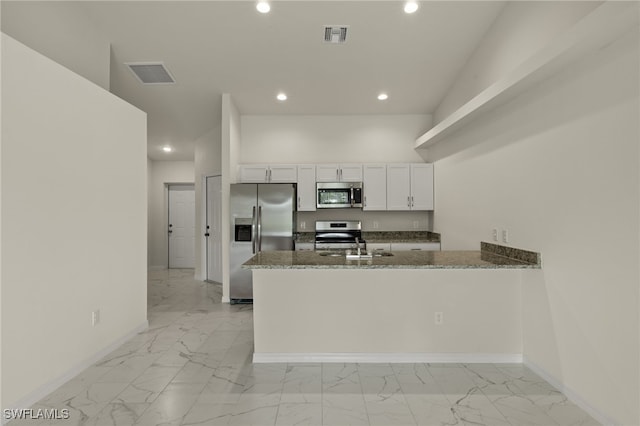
column 226, row 299
column 157, row 267
column 44, row 390
column 461, row 358
column 573, row 396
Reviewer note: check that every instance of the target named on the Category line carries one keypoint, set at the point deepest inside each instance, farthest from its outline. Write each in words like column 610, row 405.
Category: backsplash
column 371, row 221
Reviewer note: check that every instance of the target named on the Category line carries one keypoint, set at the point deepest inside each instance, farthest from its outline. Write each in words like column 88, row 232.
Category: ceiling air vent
column 151, row 72
column 335, row 34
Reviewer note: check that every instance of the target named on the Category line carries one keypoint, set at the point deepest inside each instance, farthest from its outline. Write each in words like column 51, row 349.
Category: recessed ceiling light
column 383, row 97
column 410, row 6
column 281, row 97
column 167, row 149
column 263, row 7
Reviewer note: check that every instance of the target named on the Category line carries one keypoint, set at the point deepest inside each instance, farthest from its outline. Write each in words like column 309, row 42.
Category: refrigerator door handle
column 253, row 230
column 259, row 229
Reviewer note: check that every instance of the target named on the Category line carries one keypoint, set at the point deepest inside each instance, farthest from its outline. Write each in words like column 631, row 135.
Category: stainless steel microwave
column 338, row 195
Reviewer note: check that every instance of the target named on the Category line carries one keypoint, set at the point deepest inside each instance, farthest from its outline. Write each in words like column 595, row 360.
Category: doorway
column 213, row 226
column 181, row 226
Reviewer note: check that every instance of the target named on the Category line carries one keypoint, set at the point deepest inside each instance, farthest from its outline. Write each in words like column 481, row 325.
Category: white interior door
column 181, row 227
column 214, row 228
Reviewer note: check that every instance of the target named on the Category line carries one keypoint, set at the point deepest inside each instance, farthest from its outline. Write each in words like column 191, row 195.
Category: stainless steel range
column 339, row 235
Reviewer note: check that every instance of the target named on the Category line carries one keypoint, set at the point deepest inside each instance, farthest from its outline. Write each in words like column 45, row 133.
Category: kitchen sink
column 382, row 254
column 355, row 256
column 331, row 253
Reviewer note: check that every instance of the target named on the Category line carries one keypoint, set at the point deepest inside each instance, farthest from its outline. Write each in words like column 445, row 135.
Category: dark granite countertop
column 383, row 237
column 489, row 257
column 401, row 237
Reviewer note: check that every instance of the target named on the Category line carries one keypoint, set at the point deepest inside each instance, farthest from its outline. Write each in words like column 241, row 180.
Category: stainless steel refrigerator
column 262, row 218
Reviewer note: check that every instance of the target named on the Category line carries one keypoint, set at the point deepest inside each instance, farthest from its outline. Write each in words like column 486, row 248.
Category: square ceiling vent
column 151, row 72
column 335, row 34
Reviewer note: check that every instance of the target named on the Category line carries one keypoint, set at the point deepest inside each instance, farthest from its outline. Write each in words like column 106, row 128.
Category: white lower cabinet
column 415, row 246
column 304, row 246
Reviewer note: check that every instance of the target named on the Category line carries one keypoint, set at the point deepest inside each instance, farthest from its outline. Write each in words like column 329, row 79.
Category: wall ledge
column 595, row 31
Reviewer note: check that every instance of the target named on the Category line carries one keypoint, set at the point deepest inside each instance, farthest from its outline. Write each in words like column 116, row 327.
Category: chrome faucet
column 358, row 245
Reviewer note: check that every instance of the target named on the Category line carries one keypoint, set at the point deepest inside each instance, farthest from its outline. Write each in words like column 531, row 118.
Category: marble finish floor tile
column 192, row 367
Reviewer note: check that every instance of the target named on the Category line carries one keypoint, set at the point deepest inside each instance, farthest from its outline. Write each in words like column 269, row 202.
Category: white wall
column 45, row 26
column 481, row 309
column 385, row 221
column 230, row 130
column 331, row 138
column 73, row 222
column 559, row 168
column 207, row 162
column 162, row 173
column 521, row 29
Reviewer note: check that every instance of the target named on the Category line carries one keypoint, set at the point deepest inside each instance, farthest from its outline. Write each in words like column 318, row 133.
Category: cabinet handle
column 412, row 201
column 338, row 174
column 408, row 201
column 266, row 175
column 365, row 201
column 416, row 249
column 298, row 201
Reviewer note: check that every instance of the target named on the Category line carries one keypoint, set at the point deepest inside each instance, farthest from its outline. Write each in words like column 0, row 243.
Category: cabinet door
column 304, row 246
column 350, row 172
column 327, row 173
column 253, row 173
column 422, row 186
column 398, row 187
column 374, row 181
column 415, row 246
column 283, row 173
column 306, row 188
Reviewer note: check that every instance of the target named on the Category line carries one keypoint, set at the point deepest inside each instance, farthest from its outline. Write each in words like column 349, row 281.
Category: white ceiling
column 216, row 47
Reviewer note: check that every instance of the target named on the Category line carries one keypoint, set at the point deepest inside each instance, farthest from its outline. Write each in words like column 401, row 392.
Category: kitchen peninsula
column 410, row 306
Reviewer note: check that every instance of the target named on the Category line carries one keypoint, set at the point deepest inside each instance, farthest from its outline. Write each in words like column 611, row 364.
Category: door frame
column 167, row 205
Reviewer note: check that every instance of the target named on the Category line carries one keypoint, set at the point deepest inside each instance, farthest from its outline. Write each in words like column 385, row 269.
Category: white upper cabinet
column 283, row 173
column 398, row 187
column 374, row 182
column 410, row 186
column 306, row 187
column 264, row 173
column 339, row 173
column 258, row 173
column 422, row 186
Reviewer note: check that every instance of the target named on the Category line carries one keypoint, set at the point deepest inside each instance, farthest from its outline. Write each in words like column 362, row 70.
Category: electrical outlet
column 438, row 318
column 505, row 235
column 376, row 225
column 495, row 234
column 95, row 317
column 416, row 224
column 303, row 225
